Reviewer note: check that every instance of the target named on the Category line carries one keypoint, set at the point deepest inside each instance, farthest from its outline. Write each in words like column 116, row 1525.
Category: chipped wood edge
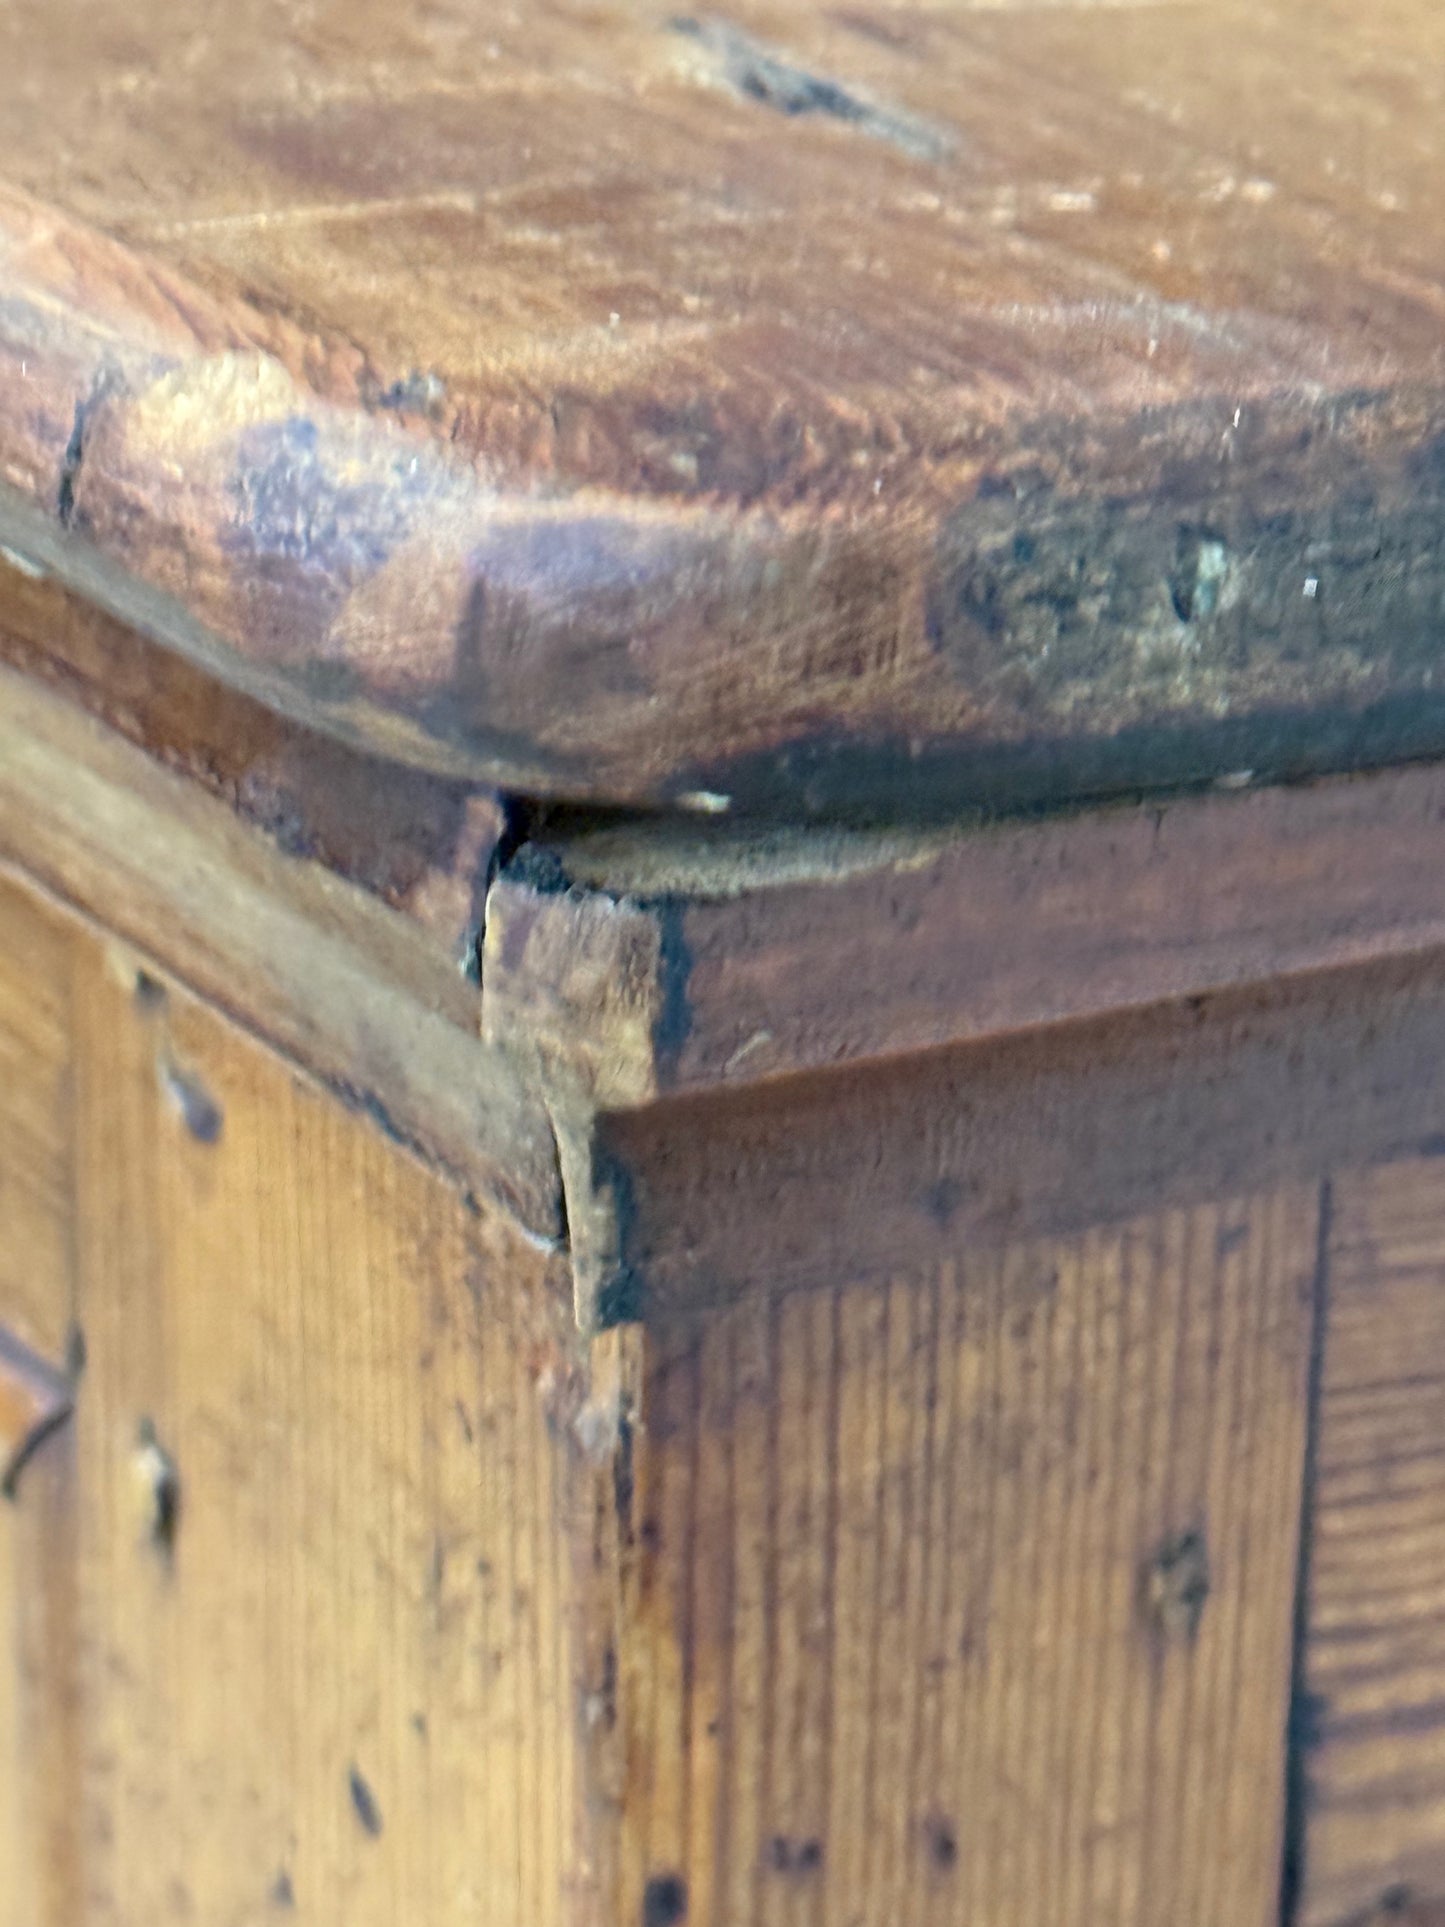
column 572, row 989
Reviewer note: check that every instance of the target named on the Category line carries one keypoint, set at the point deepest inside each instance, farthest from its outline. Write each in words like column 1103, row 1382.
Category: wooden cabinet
column 990, row 1482
column 722, row 965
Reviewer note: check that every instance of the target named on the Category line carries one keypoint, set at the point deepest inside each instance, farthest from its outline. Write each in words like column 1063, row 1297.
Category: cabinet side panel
column 1373, row 1769
column 35, row 1133
column 290, row 1607
column 971, row 1597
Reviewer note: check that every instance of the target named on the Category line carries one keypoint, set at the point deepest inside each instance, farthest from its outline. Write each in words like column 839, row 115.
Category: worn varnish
column 365, row 995
column 35, row 1126
column 420, row 844
column 575, row 1348
column 1372, row 1724
column 841, row 407
column 287, row 1611
column 971, row 1597
column 924, row 1473
column 659, row 961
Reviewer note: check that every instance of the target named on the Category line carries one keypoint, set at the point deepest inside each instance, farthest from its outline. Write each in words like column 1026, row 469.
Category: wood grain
column 42, row 1825
column 289, row 1619
column 421, row 844
column 1046, row 1133
column 971, row 1597
column 35, row 1125
column 815, row 407
column 658, row 962
column 361, row 993
column 37, row 1309
column 1374, row 1786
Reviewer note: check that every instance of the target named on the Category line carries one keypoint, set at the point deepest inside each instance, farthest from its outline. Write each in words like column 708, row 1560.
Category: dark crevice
column 522, row 817
column 70, row 467
column 103, row 386
column 564, row 1227
column 1303, row 1720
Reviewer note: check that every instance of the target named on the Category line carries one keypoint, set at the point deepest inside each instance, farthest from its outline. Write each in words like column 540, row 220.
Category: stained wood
column 971, row 1597
column 659, row 962
column 817, row 406
column 1373, row 1794
column 289, row 1614
column 36, row 1319
column 362, row 993
column 42, row 1822
column 35, row 1125
column 1043, row 1134
column 35, row 1398
column 422, row 845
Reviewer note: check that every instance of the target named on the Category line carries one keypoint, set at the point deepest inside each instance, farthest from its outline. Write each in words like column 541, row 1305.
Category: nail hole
column 150, row 994
column 363, row 1800
column 941, row 1842
column 160, row 1487
column 198, row 1110
column 664, row 1901
column 1178, row 1584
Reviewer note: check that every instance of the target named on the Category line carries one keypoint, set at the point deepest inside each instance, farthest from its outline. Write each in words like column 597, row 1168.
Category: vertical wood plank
column 287, row 1617
column 1001, row 1567
column 35, row 1073
column 1373, row 1730
column 331, row 1684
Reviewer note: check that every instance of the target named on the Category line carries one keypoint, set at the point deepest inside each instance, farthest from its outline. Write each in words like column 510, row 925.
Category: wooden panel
column 35, row 1135
column 971, row 1598
column 419, row 843
column 359, row 992
column 42, row 1817
column 1048, row 1132
column 966, row 398
column 37, row 1575
column 287, row 1617
column 1374, row 1772
column 752, row 956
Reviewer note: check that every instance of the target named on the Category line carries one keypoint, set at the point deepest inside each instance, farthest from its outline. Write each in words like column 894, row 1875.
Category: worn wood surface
column 658, row 961
column 39, row 1814
column 365, row 995
column 35, row 1122
column 971, row 1597
column 1373, row 1720
column 811, row 406
column 421, row 844
column 1044, row 1134
column 288, row 1611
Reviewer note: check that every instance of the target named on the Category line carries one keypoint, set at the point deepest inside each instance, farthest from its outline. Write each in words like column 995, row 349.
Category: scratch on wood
column 315, row 214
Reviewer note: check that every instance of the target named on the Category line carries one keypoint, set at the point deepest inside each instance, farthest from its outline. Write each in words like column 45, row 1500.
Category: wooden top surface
column 813, row 405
